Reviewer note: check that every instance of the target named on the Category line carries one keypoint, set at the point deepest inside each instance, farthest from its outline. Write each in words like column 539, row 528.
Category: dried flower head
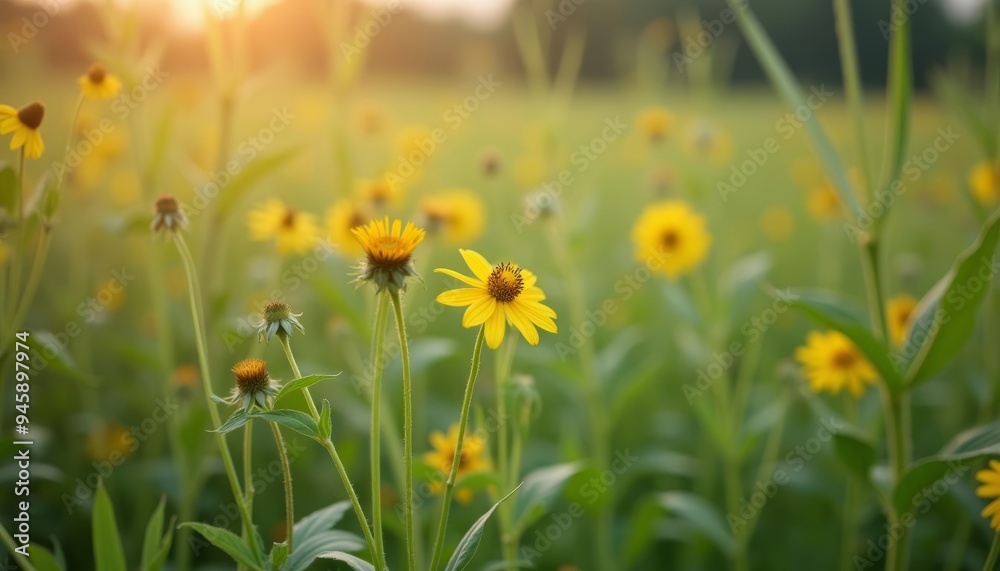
column 253, row 384
column 98, row 84
column 169, row 217
column 277, row 319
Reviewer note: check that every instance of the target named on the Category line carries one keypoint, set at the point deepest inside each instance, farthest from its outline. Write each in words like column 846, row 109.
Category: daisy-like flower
column 343, row 217
column 655, row 123
column 97, row 83
column 990, row 480
column 670, row 237
column 388, row 252
column 24, row 123
column 277, row 319
column 499, row 295
column 169, row 217
column 984, row 181
column 253, row 385
column 293, row 231
column 457, row 215
column 473, row 459
column 899, row 311
column 832, row 363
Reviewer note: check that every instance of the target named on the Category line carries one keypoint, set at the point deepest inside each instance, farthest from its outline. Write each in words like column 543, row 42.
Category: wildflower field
column 513, row 317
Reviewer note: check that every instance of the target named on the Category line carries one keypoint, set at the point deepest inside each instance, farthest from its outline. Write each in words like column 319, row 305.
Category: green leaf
column 43, row 559
column 470, row 541
column 956, row 457
column 946, row 317
column 320, row 520
column 785, row 83
column 827, row 309
column 307, row 551
column 279, row 554
column 900, row 89
column 702, row 515
column 108, row 552
column 154, row 545
column 296, row 420
column 237, row 420
column 539, row 492
column 8, row 189
column 252, row 172
column 325, row 422
column 855, row 452
column 355, row 563
column 301, row 383
column 503, row 565
column 228, row 542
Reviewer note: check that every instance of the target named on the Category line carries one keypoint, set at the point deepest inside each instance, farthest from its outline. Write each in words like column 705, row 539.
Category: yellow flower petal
column 460, row 277
column 521, row 321
column 495, row 327
column 479, row 311
column 477, row 263
column 461, row 297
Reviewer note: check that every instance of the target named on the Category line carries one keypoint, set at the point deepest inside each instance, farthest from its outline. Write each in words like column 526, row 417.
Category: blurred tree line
column 408, row 45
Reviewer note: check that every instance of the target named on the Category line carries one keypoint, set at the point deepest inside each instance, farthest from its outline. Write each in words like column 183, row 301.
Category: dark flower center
column 288, row 222
column 166, row 204
column 251, row 376
column 31, row 115
column 671, row 239
column 505, row 282
column 276, row 311
column 96, row 74
column 844, row 359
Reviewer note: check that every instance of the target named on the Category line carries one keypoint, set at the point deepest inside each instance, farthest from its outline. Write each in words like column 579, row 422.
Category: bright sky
column 480, row 13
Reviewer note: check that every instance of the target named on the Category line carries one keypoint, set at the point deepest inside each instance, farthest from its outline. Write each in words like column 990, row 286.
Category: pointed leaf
column 539, row 492
column 296, row 420
column 301, row 383
column 470, row 541
column 228, row 542
column 355, row 563
column 702, row 515
column 315, row 545
column 108, row 552
column 320, row 520
column 946, row 317
column 237, row 420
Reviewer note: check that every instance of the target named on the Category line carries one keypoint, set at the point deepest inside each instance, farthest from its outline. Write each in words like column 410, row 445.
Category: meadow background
column 107, row 361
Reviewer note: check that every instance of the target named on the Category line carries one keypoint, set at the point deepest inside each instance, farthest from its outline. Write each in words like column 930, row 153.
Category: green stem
column 897, row 436
column 852, row 497
column 327, row 444
column 397, row 306
column 286, row 469
column 378, row 363
column 194, row 294
column 449, row 486
column 991, row 559
column 852, row 84
column 502, row 368
column 248, row 490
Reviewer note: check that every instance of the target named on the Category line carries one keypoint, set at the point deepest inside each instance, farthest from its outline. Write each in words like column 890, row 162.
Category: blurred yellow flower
column 499, row 295
column 529, row 170
column 187, row 375
column 942, row 188
column 777, row 223
column 806, row 173
column 125, row 188
column 990, row 480
column 823, row 202
column 899, row 311
column 109, row 441
column 370, row 119
column 455, row 214
column 671, row 238
column 97, row 83
column 832, row 363
column 378, row 193
column 984, row 181
column 293, row 231
column 343, row 217
column 388, row 252
column 655, row 123
column 24, row 123
column 413, row 140
column 472, row 459
column 112, row 145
